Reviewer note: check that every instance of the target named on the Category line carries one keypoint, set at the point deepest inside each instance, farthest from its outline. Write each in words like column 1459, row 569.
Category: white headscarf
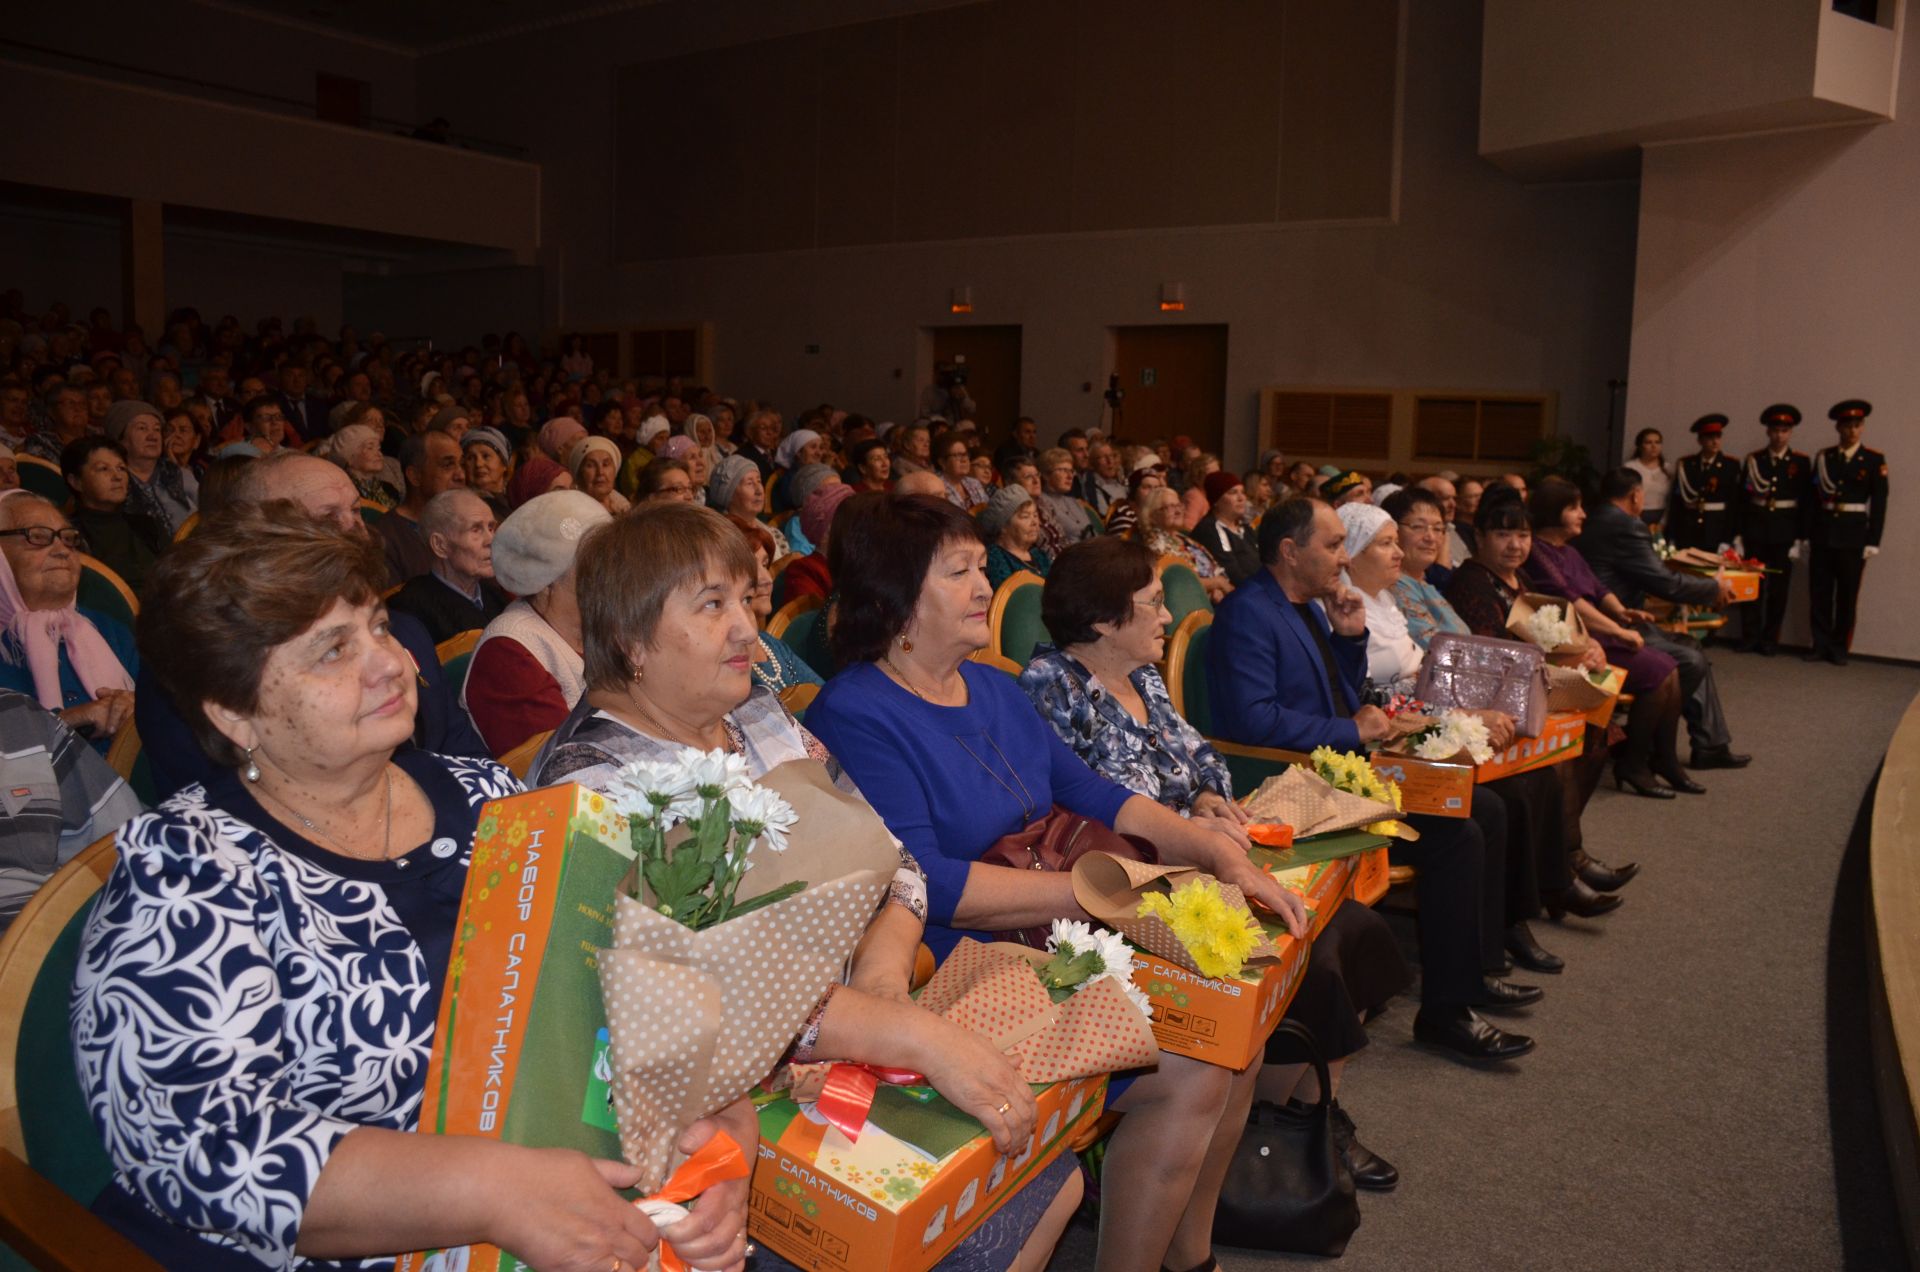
column 788, row 453
column 1363, row 521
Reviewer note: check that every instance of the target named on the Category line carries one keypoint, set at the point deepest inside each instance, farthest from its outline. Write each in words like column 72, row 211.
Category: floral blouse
column 1426, row 610
column 592, row 746
column 245, row 999
column 1164, row 759
column 1173, row 543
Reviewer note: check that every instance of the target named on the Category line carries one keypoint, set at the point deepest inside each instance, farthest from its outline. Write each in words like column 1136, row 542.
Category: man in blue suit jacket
column 1282, row 671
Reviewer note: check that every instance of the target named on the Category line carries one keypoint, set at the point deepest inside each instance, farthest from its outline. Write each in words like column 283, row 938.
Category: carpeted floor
column 1677, row 1112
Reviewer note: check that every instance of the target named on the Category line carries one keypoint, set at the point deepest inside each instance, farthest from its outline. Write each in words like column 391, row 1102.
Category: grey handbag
column 1484, row 673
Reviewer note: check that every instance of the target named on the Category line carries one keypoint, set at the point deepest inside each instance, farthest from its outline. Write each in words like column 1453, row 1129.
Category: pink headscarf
column 534, row 477
column 557, row 434
column 41, row 633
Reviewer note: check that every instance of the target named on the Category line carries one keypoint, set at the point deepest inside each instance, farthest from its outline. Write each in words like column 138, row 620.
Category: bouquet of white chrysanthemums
column 1551, row 627
column 1083, row 954
column 721, row 951
column 1451, row 733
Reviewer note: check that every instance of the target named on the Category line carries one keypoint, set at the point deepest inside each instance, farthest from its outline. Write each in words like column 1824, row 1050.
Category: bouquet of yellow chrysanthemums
column 1355, row 774
column 1221, row 936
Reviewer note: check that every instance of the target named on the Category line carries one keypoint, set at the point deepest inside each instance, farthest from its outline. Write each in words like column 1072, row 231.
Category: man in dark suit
column 1280, row 674
column 306, row 416
column 1850, row 482
column 1776, row 502
column 1619, row 547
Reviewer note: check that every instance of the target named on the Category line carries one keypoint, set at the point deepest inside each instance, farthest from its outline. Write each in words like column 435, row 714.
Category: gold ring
column 1004, row 1107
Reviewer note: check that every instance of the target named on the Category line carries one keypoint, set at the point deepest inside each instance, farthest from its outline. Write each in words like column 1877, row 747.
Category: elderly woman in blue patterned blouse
column 1105, row 698
column 259, row 984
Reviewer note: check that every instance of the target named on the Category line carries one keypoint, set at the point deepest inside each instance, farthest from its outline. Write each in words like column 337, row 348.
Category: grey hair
column 251, row 485
column 20, row 500
column 443, row 513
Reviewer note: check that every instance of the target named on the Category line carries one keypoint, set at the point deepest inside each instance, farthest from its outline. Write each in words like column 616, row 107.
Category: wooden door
column 1175, row 378
column 993, row 374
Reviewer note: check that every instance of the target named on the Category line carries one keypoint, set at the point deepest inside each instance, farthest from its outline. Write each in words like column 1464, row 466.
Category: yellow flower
column 1219, row 936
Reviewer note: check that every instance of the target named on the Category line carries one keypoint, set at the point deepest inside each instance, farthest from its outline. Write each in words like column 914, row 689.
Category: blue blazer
column 1265, row 679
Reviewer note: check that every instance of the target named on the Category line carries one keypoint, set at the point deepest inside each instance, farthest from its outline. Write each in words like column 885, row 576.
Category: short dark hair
column 1501, row 508
column 1550, row 499
column 75, row 454
column 256, row 404
column 628, row 567
column 1093, row 582
column 248, row 579
column 654, row 475
column 1619, row 483
column 1407, row 498
column 1076, row 435
column 946, row 441
column 878, row 554
column 1291, row 521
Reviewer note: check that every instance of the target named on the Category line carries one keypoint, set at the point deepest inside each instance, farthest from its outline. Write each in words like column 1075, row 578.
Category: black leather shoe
column 1684, row 784
column 1641, row 784
column 1370, row 1170
column 1500, row 995
column 1581, row 901
column 1718, row 757
column 1460, row 1031
column 1813, row 655
column 1527, row 952
column 1766, row 649
column 1838, row 657
column 1602, row 877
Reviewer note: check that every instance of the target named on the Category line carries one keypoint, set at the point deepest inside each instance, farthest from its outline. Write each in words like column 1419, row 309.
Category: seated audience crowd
column 299, row 521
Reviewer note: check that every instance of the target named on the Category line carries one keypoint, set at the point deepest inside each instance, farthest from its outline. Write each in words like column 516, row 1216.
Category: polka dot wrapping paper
column 993, row 990
column 1311, row 805
column 696, row 1019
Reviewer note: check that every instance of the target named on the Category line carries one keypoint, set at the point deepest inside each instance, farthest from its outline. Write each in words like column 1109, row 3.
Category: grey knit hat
column 804, row 480
column 726, row 479
column 1000, row 509
column 123, row 413
column 484, row 436
column 535, row 545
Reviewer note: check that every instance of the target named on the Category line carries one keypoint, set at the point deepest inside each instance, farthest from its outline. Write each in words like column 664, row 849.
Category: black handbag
column 1289, row 1187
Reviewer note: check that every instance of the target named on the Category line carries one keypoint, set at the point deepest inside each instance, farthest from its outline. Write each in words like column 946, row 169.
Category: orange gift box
column 1444, row 788
column 830, row 1204
column 1227, row 1022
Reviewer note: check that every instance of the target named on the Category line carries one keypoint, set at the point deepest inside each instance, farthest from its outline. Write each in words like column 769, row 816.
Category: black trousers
column 1537, row 848
column 1833, row 579
column 1760, row 624
column 1354, row 965
column 1461, row 886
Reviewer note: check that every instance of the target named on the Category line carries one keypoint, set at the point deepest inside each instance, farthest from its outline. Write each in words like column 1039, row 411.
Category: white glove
column 1869, row 552
column 1794, row 553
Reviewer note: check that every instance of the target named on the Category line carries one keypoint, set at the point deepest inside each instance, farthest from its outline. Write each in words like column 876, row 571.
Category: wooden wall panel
column 860, row 72
column 1011, row 117
column 1338, row 109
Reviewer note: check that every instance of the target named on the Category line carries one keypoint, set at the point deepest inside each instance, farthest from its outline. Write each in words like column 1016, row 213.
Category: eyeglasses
column 43, row 536
column 1153, row 603
column 1422, row 527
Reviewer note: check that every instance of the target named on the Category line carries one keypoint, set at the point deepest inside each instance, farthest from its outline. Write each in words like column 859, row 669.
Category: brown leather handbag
column 1053, row 843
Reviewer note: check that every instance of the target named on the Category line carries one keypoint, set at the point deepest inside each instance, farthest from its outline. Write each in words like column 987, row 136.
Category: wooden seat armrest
column 51, row 1230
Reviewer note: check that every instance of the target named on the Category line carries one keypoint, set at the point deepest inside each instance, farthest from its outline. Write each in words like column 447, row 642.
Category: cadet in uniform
column 1701, row 508
column 1850, row 489
column 1777, row 502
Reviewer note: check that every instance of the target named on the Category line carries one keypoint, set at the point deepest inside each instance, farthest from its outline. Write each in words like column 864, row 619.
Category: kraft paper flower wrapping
column 1570, row 690
column 992, row 990
column 1313, row 806
column 696, row 1019
column 1110, row 888
column 1521, row 617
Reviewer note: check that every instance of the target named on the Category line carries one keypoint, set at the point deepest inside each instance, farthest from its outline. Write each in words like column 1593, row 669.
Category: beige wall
column 1783, row 268
column 1569, row 83
column 91, row 136
column 1481, row 282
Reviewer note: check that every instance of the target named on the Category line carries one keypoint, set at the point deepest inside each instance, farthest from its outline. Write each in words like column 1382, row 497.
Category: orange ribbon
column 719, row 1160
column 847, row 1097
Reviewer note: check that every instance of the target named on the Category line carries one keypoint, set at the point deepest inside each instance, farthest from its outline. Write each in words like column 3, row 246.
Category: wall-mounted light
column 960, row 300
column 1173, row 297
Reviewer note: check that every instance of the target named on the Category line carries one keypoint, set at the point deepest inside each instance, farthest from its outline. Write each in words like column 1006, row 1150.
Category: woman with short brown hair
column 261, row 977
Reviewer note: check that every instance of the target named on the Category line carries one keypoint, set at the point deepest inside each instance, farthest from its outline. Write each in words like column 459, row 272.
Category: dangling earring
column 253, row 770
column 637, row 673
column 906, row 646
